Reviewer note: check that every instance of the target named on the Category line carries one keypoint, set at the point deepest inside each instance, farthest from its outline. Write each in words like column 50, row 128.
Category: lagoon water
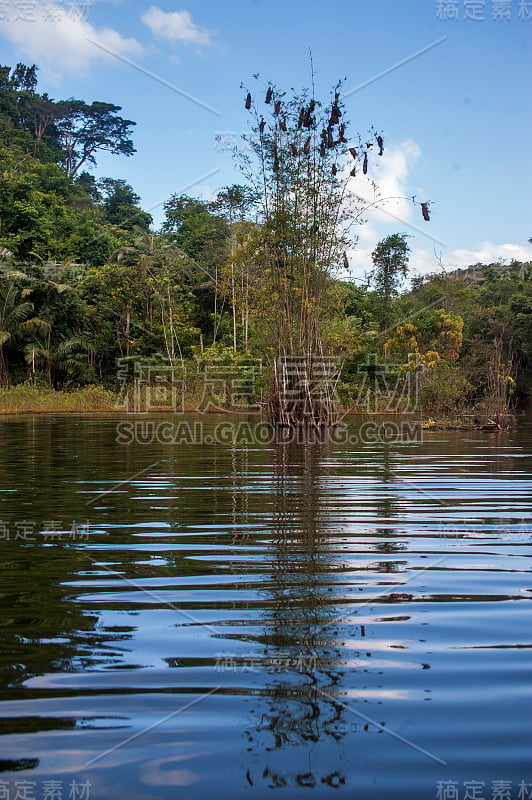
column 256, row 619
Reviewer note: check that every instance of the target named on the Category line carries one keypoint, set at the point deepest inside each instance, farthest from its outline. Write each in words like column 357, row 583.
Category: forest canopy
column 86, row 282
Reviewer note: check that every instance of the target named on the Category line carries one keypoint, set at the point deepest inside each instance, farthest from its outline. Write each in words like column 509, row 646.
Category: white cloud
column 423, row 262
column 176, row 26
column 59, row 39
column 488, row 253
column 391, row 173
column 386, row 185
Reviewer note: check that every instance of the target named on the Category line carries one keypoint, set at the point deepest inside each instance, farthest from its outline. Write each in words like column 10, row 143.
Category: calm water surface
column 263, row 620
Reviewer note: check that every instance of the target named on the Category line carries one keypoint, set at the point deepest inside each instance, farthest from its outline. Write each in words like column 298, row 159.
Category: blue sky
column 453, row 102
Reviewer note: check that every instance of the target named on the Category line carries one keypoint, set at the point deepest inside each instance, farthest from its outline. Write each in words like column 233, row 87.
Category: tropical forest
column 89, row 287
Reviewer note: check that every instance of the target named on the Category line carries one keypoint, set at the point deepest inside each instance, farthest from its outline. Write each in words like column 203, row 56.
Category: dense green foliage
column 85, row 281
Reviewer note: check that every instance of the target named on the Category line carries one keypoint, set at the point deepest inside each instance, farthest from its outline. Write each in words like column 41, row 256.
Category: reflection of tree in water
column 301, row 647
column 387, row 507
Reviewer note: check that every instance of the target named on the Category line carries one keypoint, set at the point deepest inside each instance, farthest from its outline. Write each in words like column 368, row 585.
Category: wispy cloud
column 175, row 26
column 58, row 39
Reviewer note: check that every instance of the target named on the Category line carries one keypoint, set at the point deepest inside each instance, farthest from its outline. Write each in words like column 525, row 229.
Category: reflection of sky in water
column 266, row 618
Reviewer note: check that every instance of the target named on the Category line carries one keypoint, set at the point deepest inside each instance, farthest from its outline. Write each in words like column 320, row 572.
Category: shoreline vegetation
column 101, row 312
column 26, row 399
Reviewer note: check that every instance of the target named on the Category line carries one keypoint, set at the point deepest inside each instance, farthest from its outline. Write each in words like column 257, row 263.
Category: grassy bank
column 27, row 399
column 22, row 399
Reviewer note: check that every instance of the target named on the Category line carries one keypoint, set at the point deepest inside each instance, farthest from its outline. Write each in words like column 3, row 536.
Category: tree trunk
column 4, row 375
column 126, row 330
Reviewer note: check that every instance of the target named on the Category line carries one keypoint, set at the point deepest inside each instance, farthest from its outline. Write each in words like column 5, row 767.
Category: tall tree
column 26, row 117
column 38, row 113
column 84, row 129
column 390, row 267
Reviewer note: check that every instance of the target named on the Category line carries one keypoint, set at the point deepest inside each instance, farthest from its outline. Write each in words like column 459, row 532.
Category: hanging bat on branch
column 380, row 142
column 295, row 151
column 365, row 164
column 262, row 125
column 346, row 261
column 353, row 152
column 248, row 101
column 269, row 94
column 277, row 107
column 335, row 114
column 341, row 134
column 282, row 125
column 306, row 147
column 425, row 212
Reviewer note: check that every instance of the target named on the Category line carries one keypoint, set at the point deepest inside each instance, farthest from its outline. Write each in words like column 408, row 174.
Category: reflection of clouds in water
column 165, row 772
